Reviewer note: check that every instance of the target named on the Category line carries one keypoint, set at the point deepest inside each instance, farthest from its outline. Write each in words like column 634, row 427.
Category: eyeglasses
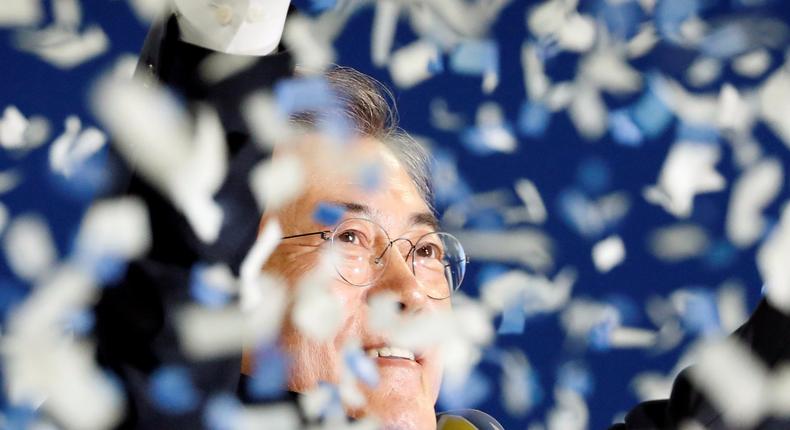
column 437, row 259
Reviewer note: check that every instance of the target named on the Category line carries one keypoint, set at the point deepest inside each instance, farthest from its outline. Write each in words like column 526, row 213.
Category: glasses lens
column 359, row 243
column 439, row 264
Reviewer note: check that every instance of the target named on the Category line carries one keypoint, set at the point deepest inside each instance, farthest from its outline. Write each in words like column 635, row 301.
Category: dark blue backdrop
column 552, row 161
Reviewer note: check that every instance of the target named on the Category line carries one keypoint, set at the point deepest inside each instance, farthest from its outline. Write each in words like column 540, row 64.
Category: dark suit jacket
column 766, row 333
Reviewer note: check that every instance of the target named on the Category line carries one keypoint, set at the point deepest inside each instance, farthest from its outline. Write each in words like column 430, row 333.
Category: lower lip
column 398, row 362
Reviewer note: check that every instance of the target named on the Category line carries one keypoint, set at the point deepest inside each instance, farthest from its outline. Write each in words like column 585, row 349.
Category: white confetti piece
column 778, row 392
column 608, row 253
column 18, row 13
column 4, row 217
column 754, row 190
column 775, row 103
column 731, row 304
column 385, row 23
column 588, row 111
column 116, row 227
column 278, row 416
column 384, row 312
column 741, row 395
column 569, row 413
column 535, row 80
column 703, row 71
column 267, row 123
column 735, row 113
column 29, row 248
column 688, row 170
column 9, row 179
column 18, row 132
column 264, row 318
column 148, row 10
column 643, row 42
column 610, row 72
column 530, row 247
column 311, row 52
column 318, row 313
column 493, row 134
column 577, row 33
column 410, row 65
column 253, row 263
column 678, row 242
column 63, row 48
column 74, row 146
column 752, row 64
column 153, row 134
column 582, row 315
column 220, row 66
column 67, row 13
column 549, row 17
column 539, row 294
column 529, row 195
column 629, row 337
column 277, row 181
column 205, row 333
column 772, row 258
column 442, row 118
column 652, row 386
column 516, row 391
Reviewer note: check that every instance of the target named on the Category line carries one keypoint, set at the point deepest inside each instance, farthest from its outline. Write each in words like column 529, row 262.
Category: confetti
column 74, row 146
column 520, row 391
column 740, row 396
column 212, row 286
column 772, row 262
column 206, row 333
column 29, row 247
column 752, row 64
column 269, row 378
column 317, row 313
column 219, row 67
column 64, row 48
column 569, row 413
column 526, row 246
column 588, row 111
column 277, row 181
column 148, row 10
column 21, row 13
column 678, row 242
column 172, row 391
column 533, row 119
column 410, row 64
column 385, row 22
column 310, row 51
column 608, row 253
column 754, row 190
column 688, row 170
column 442, row 118
column 18, row 132
column 529, row 195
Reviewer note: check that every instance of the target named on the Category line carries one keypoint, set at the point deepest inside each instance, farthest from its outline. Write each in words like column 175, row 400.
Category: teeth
column 391, row 351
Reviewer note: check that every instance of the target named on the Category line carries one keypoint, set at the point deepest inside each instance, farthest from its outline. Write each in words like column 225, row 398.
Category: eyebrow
column 422, row 218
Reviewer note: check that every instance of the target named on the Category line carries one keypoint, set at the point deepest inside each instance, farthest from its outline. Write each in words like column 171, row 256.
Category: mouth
column 388, row 354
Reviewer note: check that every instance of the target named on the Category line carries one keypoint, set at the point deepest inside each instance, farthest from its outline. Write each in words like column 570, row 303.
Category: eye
column 352, row 237
column 429, row 250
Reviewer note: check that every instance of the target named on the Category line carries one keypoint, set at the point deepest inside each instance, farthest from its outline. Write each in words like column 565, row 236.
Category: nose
column 397, row 277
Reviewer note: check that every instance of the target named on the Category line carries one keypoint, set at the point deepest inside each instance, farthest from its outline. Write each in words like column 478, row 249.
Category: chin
column 396, row 408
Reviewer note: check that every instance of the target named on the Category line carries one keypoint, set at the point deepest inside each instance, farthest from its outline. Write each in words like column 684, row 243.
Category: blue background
column 552, row 161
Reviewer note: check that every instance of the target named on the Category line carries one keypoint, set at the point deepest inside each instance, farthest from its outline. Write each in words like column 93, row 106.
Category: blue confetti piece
column 623, row 128
column 720, row 255
column 513, row 318
column 575, row 376
column 622, row 19
column 314, row 7
column 203, row 291
column 727, row 41
column 363, row 367
column 370, row 176
column 80, row 322
column 436, row 65
column 448, row 185
column 18, row 417
column 467, row 394
column 172, row 391
column 222, row 412
column 328, row 214
column 594, row 175
column 312, row 94
column 650, row 113
column 671, row 14
column 475, row 57
column 533, row 119
column 696, row 133
column 700, row 314
column 269, row 380
column 600, row 335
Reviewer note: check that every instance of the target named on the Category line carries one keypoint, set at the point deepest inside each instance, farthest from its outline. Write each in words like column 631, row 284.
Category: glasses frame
column 328, row 235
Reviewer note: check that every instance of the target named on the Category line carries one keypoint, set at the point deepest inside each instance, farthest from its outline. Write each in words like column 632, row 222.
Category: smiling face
column 408, row 387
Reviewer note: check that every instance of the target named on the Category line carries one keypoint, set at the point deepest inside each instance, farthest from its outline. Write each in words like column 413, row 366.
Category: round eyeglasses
column 437, row 259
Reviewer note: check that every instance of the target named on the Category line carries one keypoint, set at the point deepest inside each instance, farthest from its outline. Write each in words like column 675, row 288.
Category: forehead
column 366, row 178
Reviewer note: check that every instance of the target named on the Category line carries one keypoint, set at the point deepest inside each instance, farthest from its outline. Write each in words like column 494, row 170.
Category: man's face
column 407, row 390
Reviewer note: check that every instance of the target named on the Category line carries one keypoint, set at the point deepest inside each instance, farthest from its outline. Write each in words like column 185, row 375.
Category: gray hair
column 370, row 108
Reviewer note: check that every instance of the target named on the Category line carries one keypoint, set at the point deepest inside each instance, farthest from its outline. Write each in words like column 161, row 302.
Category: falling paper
column 608, row 253
column 29, row 247
column 755, row 189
